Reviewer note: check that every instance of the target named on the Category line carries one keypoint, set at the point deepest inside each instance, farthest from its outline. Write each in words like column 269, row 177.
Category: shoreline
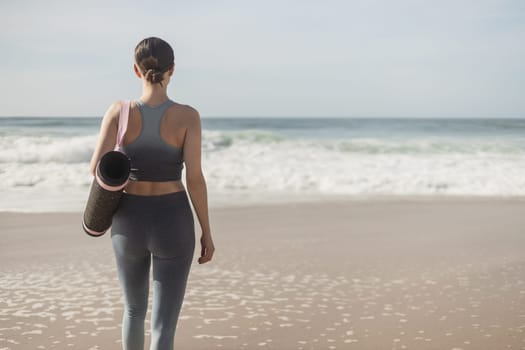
column 326, row 199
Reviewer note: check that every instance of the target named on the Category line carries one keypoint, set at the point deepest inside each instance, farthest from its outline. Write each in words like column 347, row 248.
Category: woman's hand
column 207, row 248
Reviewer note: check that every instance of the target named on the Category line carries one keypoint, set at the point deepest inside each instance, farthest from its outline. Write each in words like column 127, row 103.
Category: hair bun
column 154, row 57
column 153, row 75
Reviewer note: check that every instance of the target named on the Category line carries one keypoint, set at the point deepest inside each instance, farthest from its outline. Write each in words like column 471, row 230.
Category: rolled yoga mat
column 111, row 177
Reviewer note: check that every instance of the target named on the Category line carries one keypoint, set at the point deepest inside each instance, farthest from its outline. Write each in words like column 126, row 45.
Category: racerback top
column 152, row 158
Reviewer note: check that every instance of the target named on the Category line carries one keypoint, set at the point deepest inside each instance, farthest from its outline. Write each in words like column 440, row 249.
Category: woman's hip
column 164, row 223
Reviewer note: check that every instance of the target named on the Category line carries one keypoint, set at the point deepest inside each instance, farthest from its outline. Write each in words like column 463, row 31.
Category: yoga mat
column 106, row 190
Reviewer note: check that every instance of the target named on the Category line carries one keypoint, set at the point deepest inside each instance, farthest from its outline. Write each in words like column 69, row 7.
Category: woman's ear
column 137, row 72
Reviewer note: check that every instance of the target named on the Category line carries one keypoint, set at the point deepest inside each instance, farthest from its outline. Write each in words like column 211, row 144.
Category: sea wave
column 79, row 149
column 48, row 171
column 45, row 149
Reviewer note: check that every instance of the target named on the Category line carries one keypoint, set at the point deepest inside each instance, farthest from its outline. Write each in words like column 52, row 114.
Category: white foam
column 51, row 173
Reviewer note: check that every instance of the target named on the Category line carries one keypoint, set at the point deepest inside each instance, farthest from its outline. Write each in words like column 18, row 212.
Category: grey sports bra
column 152, row 158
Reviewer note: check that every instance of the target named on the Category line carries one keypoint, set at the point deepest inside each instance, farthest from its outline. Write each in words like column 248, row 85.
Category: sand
column 374, row 274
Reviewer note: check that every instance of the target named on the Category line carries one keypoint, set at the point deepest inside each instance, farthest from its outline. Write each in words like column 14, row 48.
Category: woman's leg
column 172, row 244
column 133, row 275
column 133, row 260
column 169, row 286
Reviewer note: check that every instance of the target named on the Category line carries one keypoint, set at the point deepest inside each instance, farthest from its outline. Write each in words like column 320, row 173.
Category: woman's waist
column 153, row 188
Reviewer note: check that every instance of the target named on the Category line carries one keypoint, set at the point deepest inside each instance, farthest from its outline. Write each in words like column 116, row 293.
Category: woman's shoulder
column 186, row 111
column 113, row 112
column 115, row 106
column 185, row 107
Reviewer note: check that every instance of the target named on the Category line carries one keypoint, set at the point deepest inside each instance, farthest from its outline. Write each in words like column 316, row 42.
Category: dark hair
column 154, row 57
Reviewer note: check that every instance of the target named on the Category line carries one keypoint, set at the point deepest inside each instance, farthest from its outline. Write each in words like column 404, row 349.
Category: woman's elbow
column 195, row 178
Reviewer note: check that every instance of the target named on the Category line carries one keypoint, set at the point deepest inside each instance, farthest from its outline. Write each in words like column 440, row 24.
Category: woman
column 154, row 216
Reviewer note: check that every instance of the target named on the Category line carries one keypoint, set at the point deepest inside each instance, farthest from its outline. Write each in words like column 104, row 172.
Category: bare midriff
column 153, row 188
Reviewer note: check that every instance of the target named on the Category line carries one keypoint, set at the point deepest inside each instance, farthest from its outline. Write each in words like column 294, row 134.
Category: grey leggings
column 161, row 226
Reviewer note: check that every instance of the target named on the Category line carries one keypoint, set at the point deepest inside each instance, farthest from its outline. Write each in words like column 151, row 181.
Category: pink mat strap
column 122, row 123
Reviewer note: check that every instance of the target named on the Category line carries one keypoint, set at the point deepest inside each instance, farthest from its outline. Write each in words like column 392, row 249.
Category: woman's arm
column 195, row 181
column 107, row 137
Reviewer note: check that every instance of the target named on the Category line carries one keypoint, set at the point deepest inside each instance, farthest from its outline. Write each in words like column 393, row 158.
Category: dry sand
column 377, row 274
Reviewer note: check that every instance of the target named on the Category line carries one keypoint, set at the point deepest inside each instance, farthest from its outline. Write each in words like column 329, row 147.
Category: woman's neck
column 154, row 95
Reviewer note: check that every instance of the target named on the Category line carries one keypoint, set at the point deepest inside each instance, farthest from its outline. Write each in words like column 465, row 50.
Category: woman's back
column 154, row 141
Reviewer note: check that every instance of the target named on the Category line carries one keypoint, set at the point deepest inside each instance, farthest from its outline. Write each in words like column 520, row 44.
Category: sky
column 366, row 58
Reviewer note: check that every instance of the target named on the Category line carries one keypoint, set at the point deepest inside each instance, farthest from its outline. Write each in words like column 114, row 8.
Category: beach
column 363, row 165
column 390, row 273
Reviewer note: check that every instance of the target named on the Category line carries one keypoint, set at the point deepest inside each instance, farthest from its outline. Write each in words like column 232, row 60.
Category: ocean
column 44, row 161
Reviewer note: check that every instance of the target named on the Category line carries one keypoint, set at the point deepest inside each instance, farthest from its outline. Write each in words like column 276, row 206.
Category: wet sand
column 376, row 274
